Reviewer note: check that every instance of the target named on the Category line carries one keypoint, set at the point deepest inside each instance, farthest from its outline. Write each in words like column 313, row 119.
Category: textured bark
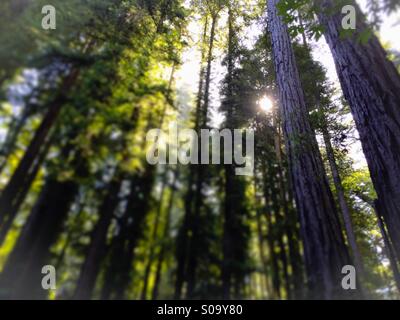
column 288, row 218
column 324, row 247
column 371, row 85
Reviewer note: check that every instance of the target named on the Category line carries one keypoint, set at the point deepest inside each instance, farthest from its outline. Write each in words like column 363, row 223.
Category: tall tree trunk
column 163, row 249
column 183, row 243
column 98, row 243
column 371, row 85
column 388, row 247
column 325, row 250
column 200, row 177
column 228, row 236
column 153, row 238
column 21, row 195
column 290, row 226
column 11, row 138
column 389, row 251
column 9, row 194
column 351, row 237
column 21, row 276
column 133, row 228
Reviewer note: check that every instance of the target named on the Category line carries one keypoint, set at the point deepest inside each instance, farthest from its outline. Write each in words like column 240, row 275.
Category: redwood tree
column 371, row 85
column 324, row 247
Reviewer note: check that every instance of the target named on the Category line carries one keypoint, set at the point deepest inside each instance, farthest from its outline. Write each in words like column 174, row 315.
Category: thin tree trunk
column 198, row 203
column 386, row 239
column 351, row 238
column 167, row 226
column 183, row 243
column 389, row 251
column 228, row 236
column 153, row 238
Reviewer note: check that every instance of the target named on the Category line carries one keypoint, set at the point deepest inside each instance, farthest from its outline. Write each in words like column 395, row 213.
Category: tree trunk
column 325, row 250
column 228, row 236
column 192, row 261
column 153, row 238
column 163, row 249
column 119, row 273
column 290, row 219
column 371, row 85
column 21, row 195
column 351, row 238
column 9, row 194
column 183, row 241
column 21, row 276
column 12, row 136
column 98, row 243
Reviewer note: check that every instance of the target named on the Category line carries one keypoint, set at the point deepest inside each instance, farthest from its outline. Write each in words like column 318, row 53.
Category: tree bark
column 371, row 85
column 324, row 247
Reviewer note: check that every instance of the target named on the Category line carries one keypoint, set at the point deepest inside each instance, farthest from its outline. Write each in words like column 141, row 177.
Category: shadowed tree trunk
column 98, row 243
column 21, row 195
column 153, row 238
column 183, row 243
column 12, row 136
column 164, row 243
column 10, row 192
column 120, row 271
column 371, row 85
column 21, row 277
column 324, row 247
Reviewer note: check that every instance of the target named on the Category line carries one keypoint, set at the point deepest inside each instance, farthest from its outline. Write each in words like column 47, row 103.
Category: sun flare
column 266, row 104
